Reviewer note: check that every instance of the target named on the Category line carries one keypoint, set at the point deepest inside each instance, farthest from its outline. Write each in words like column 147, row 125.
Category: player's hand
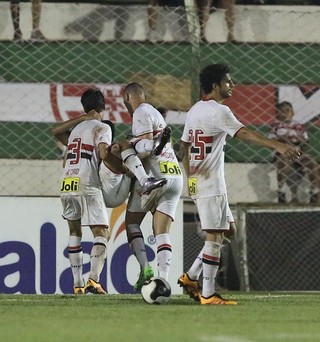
column 291, row 152
column 115, row 149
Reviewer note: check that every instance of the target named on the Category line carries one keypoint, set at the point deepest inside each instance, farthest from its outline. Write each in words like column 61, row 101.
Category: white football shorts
column 89, row 208
column 214, row 212
column 165, row 199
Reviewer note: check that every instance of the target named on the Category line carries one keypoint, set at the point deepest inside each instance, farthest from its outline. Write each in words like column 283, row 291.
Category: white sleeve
column 227, row 122
column 103, row 134
column 185, row 134
column 141, row 123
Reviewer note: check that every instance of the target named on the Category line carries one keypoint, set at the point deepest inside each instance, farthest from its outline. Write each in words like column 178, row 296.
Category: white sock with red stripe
column 164, row 255
column 136, row 243
column 210, row 262
column 196, row 268
column 76, row 260
column 133, row 163
column 97, row 257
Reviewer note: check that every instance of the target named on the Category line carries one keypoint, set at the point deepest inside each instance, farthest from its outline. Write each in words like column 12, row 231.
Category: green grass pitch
column 257, row 317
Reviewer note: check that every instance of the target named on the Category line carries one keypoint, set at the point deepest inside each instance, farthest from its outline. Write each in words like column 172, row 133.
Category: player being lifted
column 207, row 125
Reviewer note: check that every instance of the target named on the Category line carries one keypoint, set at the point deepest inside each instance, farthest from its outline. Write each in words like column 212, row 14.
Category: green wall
column 116, row 61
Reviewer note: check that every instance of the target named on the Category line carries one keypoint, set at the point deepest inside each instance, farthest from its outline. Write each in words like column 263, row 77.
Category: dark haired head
column 211, row 74
column 93, row 99
column 282, row 104
column 108, row 122
column 284, row 111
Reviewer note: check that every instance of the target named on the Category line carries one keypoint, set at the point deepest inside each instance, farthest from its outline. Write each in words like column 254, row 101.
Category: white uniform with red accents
column 147, row 119
column 207, row 125
column 80, row 190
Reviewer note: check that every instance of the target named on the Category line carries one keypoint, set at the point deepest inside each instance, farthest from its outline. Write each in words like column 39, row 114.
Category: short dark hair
column 283, row 103
column 213, row 73
column 93, row 99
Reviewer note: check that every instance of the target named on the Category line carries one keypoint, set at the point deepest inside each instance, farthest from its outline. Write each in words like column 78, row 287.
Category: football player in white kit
column 147, row 124
column 81, row 194
column 207, row 124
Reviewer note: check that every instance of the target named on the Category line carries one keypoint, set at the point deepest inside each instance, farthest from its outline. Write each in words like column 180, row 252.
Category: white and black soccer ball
column 156, row 291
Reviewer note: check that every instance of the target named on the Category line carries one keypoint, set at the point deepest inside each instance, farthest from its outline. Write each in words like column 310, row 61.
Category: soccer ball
column 156, row 291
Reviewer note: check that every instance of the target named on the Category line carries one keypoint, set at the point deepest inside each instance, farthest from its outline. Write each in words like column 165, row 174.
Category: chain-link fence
column 274, row 57
column 275, row 254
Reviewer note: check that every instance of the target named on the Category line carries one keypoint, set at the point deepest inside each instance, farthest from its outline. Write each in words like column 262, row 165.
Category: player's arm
column 185, row 152
column 62, row 130
column 250, row 136
column 103, row 150
column 114, row 161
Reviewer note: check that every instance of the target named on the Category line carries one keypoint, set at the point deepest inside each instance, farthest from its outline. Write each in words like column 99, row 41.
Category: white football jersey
column 147, row 119
column 206, row 129
column 81, row 171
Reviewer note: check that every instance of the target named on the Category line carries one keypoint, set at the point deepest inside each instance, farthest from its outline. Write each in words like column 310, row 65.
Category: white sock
column 164, row 255
column 196, row 268
column 136, row 243
column 133, row 163
column 97, row 257
column 76, row 260
column 210, row 261
column 144, row 147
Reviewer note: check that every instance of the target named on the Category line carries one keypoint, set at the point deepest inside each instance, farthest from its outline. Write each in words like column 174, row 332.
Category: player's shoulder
column 97, row 126
column 212, row 104
column 90, row 123
column 147, row 108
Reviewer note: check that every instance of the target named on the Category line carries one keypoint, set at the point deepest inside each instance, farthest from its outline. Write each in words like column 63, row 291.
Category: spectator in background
column 289, row 172
column 153, row 12
column 36, row 34
column 204, row 10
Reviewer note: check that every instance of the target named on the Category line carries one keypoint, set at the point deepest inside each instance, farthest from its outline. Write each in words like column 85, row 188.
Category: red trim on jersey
column 140, row 137
column 207, row 139
column 163, row 214
column 87, row 147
